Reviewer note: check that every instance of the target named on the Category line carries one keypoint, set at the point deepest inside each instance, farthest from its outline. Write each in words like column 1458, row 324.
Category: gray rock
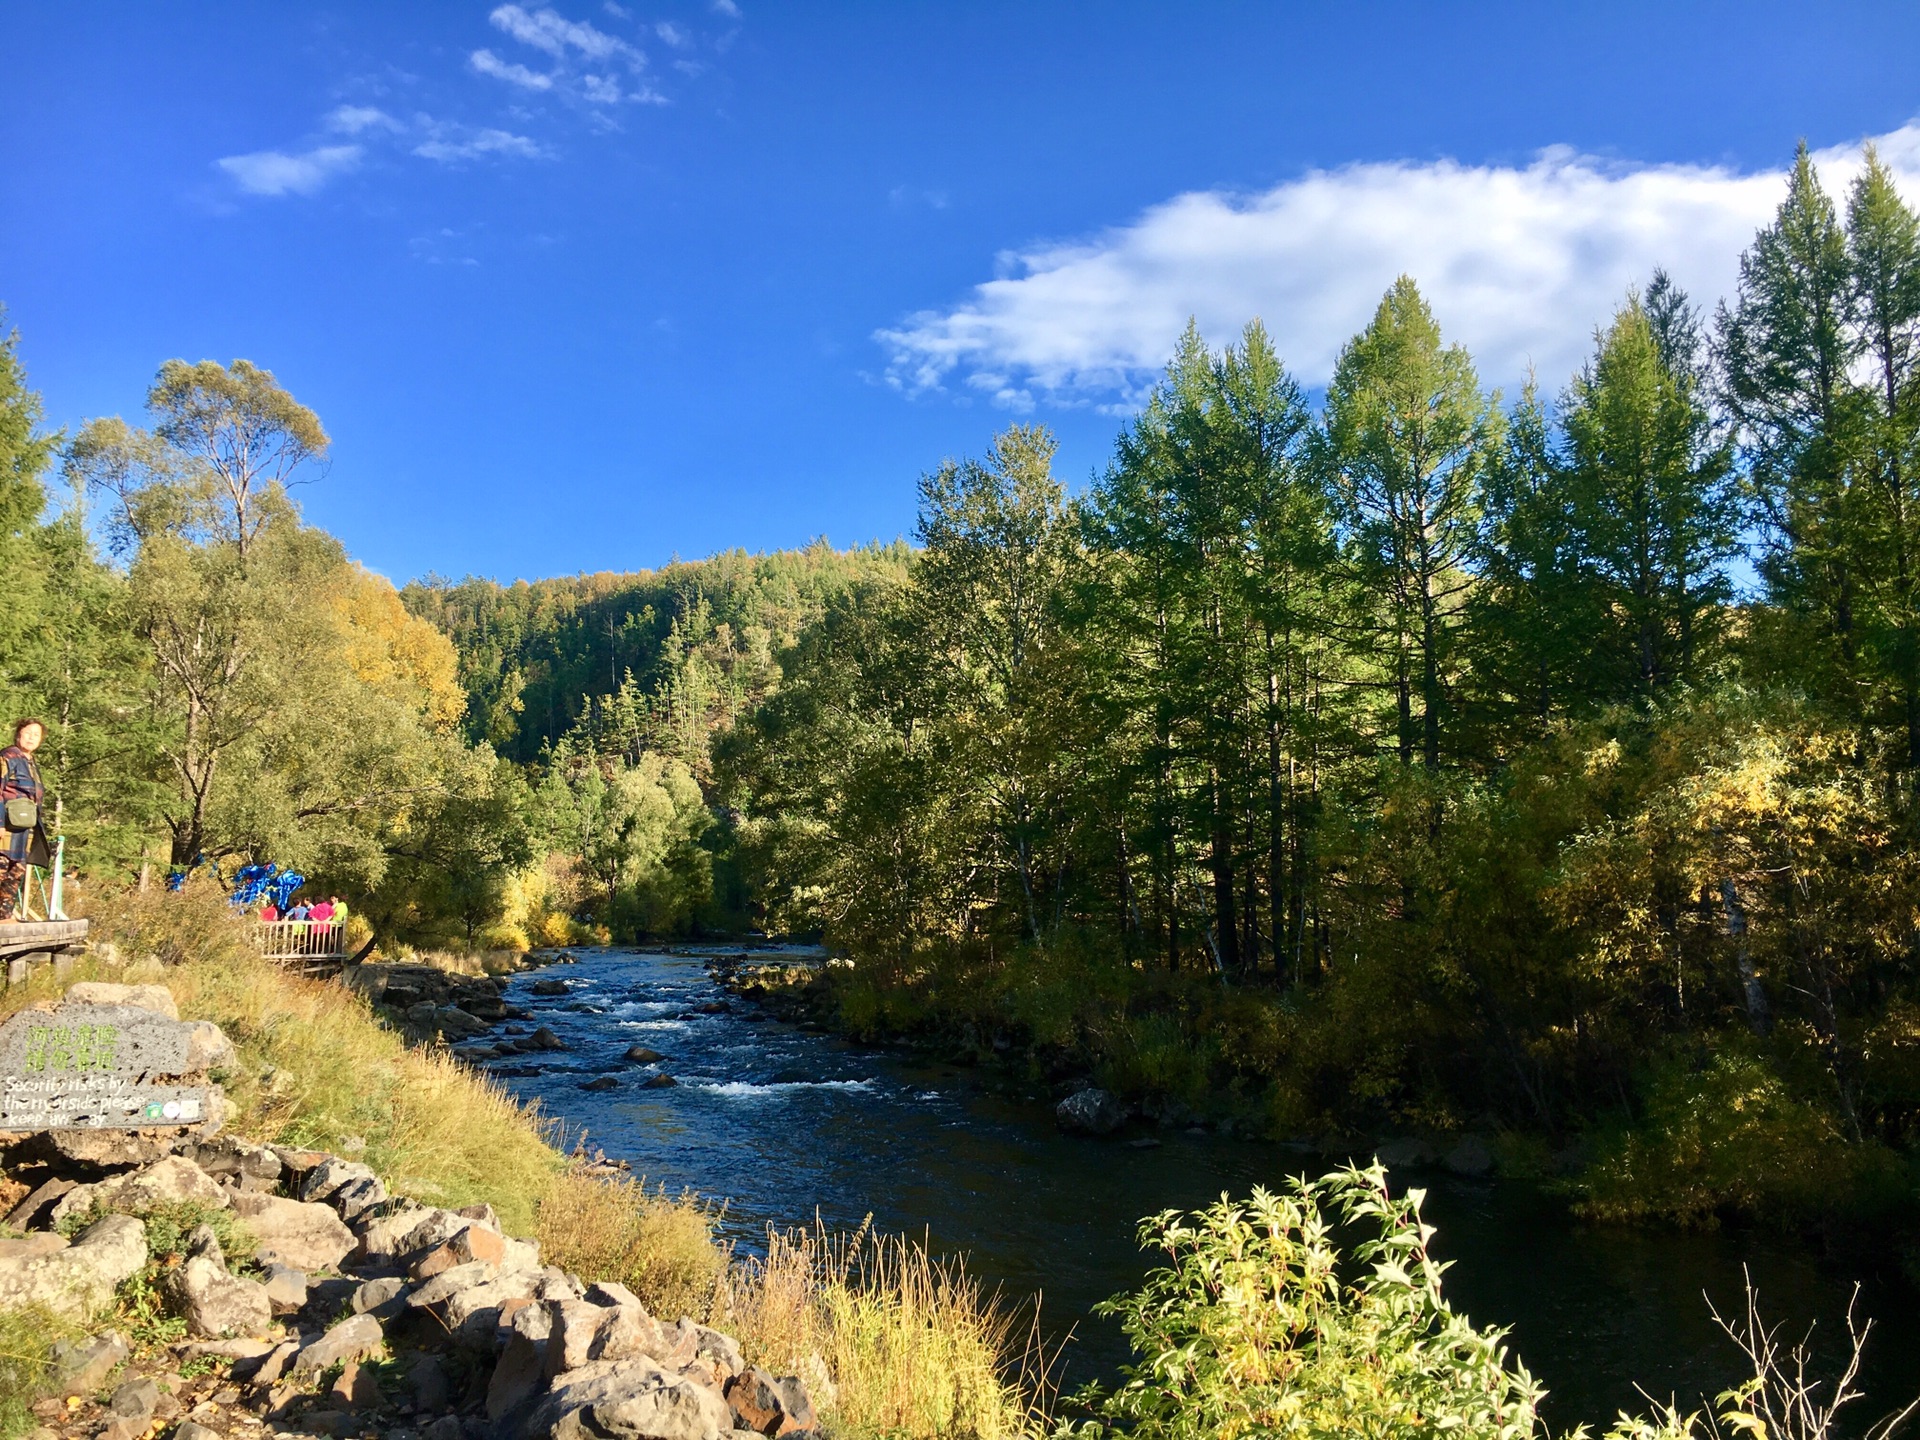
column 271, row 1366
column 320, row 1183
column 212, row 1300
column 382, row 1298
column 1402, row 1152
column 447, row 1427
column 80, row 1278
column 81, row 1367
column 610, row 1292
column 1090, row 1112
column 135, row 1400
column 354, row 1338
column 658, row 1082
column 194, row 1430
column 1470, row 1157
column 24, row 1215
column 548, row 988
column 310, row 1238
column 629, row 1400
column 600, row 1084
column 286, row 1289
column 518, row 1376
column 545, row 1039
column 429, row 1381
column 167, row 1181
column 448, row 1283
column 641, row 1055
column 233, row 1161
column 140, row 997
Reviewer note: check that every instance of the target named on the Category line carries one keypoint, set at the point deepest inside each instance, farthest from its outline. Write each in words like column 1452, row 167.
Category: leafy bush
column 1729, row 1135
column 1251, row 1330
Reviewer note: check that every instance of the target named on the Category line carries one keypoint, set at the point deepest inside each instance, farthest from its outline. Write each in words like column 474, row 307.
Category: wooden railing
column 303, row 944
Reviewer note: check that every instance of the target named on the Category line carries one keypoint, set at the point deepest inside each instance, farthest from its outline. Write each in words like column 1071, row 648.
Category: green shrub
column 1252, row 1330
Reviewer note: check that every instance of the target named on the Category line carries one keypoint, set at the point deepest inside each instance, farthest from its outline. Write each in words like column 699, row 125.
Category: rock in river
column 641, row 1055
column 1090, row 1112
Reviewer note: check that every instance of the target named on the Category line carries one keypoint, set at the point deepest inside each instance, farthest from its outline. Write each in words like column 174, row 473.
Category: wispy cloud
column 514, row 73
column 473, row 145
column 548, row 30
column 274, row 172
column 1519, row 262
column 673, row 34
column 358, row 119
column 727, row 8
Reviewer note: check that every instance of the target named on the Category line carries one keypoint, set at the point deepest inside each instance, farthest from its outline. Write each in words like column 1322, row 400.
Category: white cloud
column 273, row 172
column 1520, row 264
column 672, row 34
column 548, row 30
column 479, row 143
column 488, row 63
column 600, row 89
column 358, row 119
column 727, row 8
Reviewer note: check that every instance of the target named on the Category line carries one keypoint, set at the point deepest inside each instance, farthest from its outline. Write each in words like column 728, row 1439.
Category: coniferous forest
column 1407, row 757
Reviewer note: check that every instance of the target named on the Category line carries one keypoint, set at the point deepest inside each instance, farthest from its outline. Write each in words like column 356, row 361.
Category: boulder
column 641, row 1055
column 518, row 1375
column 347, row 1185
column 233, row 1161
column 270, row 1367
column 429, row 1381
column 142, row 997
column 769, row 1406
column 466, row 1245
column 354, row 1338
column 286, row 1289
column 1470, row 1156
column 383, row 1233
column 382, row 1298
column 81, row 1367
column 629, row 1400
column 544, row 1039
column 600, row 1084
column 135, row 1400
column 1403, row 1152
column 354, row 1388
column 208, row 1047
column 31, row 1247
column 548, row 988
column 165, row 1182
column 212, row 1300
column 448, row 1283
column 1090, row 1112
column 310, row 1238
column 658, row 1082
column 80, row 1278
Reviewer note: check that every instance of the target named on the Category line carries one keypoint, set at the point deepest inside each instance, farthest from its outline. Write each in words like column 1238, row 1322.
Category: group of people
column 318, row 917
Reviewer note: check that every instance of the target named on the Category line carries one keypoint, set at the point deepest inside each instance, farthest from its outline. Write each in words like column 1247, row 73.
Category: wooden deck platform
column 32, row 943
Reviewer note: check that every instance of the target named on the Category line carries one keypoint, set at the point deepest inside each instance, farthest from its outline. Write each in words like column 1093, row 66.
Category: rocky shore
column 316, row 1303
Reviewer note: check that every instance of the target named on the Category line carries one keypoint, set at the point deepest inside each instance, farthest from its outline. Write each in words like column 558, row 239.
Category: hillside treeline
column 1426, row 758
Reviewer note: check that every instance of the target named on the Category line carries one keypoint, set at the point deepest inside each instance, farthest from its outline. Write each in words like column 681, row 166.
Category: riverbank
column 1711, row 1136
column 317, row 1069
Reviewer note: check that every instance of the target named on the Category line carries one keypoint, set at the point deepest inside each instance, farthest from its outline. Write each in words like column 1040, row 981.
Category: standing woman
column 21, row 794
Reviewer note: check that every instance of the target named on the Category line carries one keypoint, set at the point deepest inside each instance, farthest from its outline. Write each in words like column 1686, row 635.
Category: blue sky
column 586, row 286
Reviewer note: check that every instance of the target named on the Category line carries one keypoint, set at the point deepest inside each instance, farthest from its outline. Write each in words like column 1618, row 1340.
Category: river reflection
column 780, row 1123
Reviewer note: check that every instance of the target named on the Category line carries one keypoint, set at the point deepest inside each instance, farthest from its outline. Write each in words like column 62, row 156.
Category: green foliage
column 1253, row 1329
column 27, row 1336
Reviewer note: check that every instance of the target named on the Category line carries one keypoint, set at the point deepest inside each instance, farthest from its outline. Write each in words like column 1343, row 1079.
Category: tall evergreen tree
column 1785, row 345
column 1653, row 516
column 1408, row 436
column 1883, row 253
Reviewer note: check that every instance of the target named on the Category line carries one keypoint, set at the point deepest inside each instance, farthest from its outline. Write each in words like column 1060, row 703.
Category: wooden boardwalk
column 33, row 943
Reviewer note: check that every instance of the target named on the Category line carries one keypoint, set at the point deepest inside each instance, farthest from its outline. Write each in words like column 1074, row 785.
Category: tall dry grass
column 659, row 1246
column 894, row 1342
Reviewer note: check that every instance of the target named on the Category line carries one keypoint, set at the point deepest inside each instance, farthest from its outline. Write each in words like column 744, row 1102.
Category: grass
column 661, row 1247
column 891, row 1341
column 27, row 1337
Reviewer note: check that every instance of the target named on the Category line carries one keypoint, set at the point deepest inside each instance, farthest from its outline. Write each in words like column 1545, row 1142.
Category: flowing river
column 780, row 1123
